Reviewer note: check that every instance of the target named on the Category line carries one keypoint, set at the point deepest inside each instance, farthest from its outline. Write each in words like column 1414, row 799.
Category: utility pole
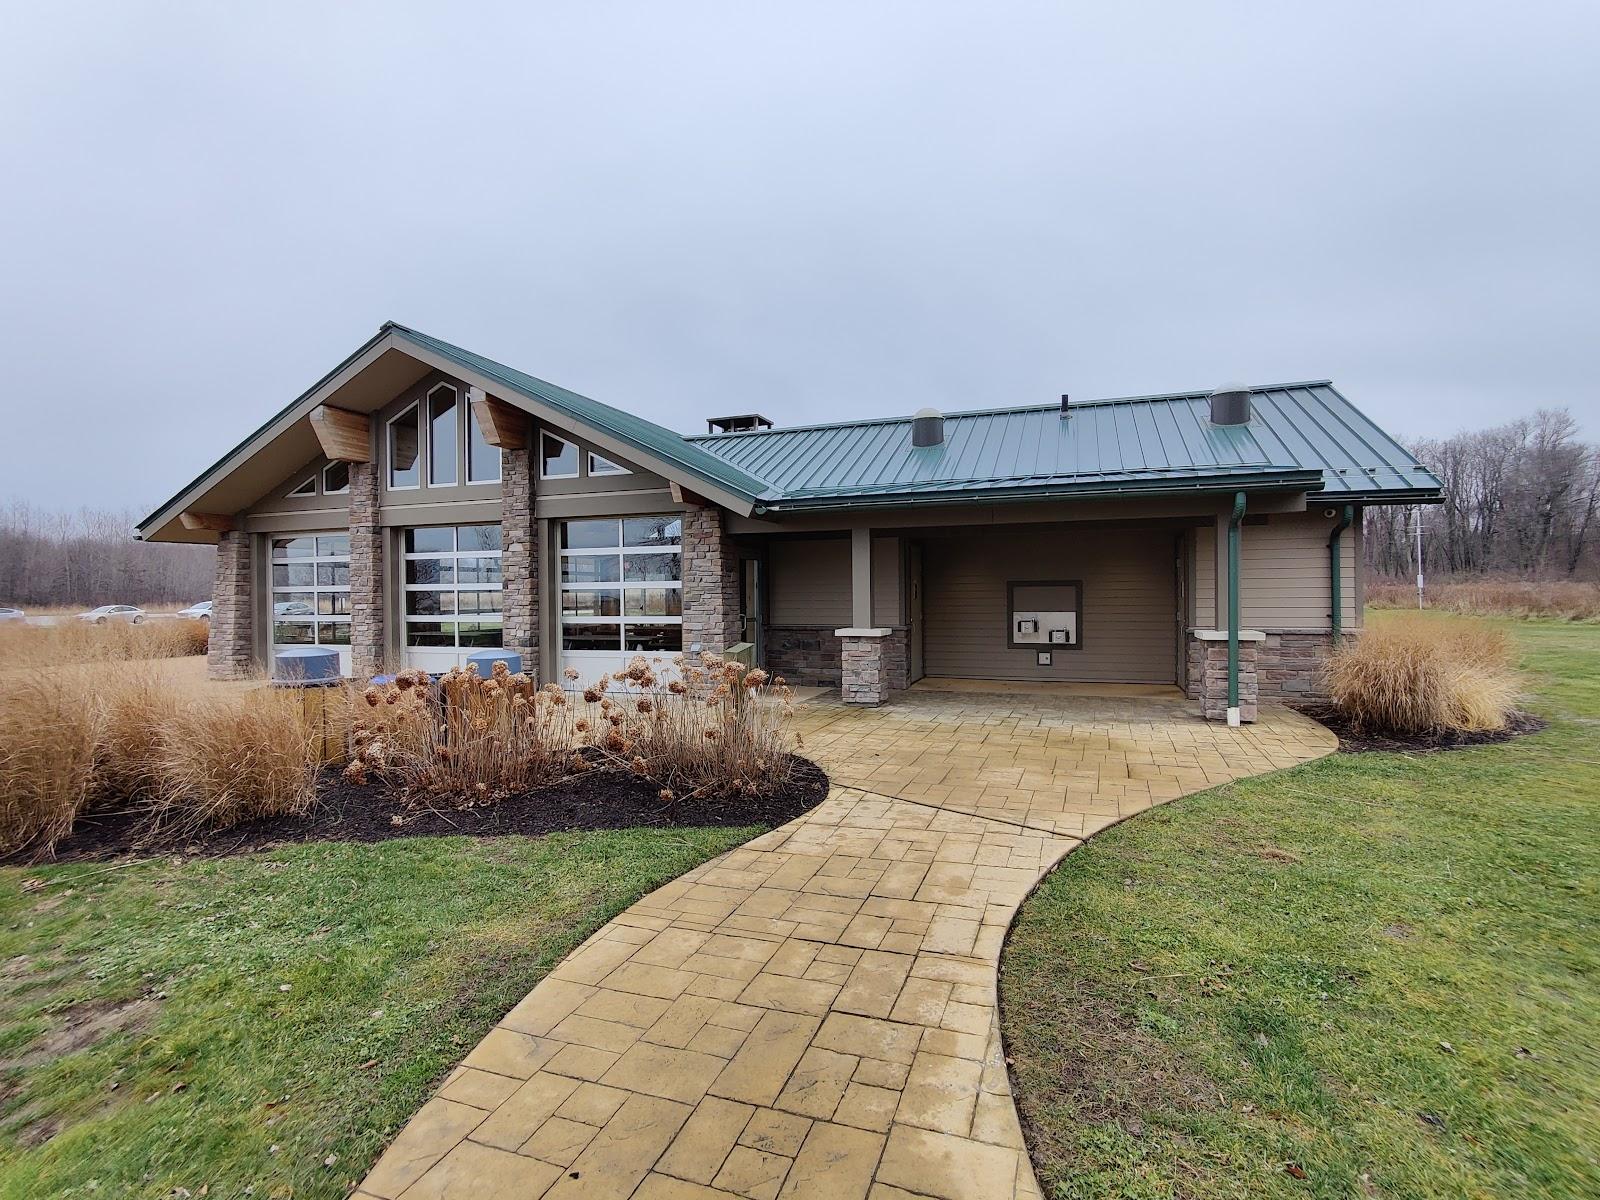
column 1419, row 556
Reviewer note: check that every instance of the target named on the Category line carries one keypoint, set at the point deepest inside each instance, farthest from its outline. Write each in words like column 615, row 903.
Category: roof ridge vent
column 1230, row 404
column 927, row 428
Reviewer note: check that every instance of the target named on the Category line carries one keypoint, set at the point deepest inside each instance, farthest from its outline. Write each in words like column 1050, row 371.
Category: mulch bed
column 348, row 812
column 1359, row 741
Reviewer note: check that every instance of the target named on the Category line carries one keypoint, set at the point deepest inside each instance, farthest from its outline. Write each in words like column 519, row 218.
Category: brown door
column 1180, row 592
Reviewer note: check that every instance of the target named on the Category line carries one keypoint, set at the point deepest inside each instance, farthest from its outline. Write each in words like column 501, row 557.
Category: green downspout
column 1335, row 571
column 1233, row 602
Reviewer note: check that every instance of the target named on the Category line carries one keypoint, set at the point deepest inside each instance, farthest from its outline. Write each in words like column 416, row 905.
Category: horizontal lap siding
column 1283, row 574
column 810, row 582
column 1129, row 606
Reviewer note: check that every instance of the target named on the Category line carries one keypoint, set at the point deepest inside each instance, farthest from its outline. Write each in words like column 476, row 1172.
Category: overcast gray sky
column 813, row 210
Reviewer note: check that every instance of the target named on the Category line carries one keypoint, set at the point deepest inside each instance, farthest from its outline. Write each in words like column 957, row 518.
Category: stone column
column 230, row 648
column 368, row 648
column 519, row 558
column 710, row 582
column 1213, row 674
column 864, row 654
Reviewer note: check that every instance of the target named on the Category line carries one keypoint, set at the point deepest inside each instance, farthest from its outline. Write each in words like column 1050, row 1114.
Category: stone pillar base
column 863, row 655
column 230, row 644
column 367, row 636
column 1213, row 675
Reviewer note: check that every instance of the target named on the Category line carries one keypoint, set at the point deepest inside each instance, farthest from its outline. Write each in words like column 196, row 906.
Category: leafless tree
column 90, row 557
column 1520, row 499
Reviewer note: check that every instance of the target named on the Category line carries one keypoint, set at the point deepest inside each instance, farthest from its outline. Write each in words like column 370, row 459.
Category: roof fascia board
column 504, row 390
column 1288, row 480
column 335, row 379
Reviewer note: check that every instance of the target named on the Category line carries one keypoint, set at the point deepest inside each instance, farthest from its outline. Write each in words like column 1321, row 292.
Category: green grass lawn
column 1375, row 975
column 264, row 1023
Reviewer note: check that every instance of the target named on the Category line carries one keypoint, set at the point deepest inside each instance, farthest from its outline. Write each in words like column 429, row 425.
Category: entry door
column 914, row 607
column 1180, row 591
column 753, row 605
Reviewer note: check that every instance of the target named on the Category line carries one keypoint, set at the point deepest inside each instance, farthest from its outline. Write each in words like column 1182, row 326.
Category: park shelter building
column 421, row 502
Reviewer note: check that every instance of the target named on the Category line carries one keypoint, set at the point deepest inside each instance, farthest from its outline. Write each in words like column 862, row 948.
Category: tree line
column 90, row 557
column 1521, row 499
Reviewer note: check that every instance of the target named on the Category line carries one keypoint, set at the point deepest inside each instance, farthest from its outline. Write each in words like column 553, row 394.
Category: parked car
column 197, row 612
column 12, row 614
column 292, row 608
column 113, row 612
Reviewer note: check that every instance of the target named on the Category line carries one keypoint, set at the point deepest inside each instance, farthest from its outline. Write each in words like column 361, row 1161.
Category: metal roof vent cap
column 927, row 428
column 1230, row 405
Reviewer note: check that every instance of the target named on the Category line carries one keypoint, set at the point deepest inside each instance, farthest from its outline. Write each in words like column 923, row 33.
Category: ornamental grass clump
column 72, row 641
column 1414, row 676
column 180, row 756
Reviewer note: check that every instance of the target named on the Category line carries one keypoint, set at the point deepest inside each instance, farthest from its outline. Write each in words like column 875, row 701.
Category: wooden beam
column 682, row 495
column 210, row 522
column 501, row 424
column 345, row 436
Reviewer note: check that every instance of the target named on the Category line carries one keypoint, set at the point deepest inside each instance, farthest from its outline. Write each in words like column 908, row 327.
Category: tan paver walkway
column 814, row 1014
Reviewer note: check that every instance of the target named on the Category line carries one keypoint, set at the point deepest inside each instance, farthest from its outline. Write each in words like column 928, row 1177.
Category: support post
column 1234, row 522
column 861, row 578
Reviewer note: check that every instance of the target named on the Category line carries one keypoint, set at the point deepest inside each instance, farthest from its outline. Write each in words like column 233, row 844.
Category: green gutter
column 1336, row 572
column 1234, row 522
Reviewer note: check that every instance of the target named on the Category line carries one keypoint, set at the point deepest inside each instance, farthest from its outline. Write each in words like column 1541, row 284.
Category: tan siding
column 810, row 582
column 1129, row 630
column 1283, row 577
column 885, row 581
column 1205, row 578
column 1283, row 574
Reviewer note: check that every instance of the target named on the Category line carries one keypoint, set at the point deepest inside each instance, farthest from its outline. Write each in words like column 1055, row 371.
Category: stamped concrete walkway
column 814, row 1014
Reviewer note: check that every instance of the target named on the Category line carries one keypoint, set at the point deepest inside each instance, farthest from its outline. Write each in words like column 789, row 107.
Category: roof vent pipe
column 927, row 428
column 1230, row 405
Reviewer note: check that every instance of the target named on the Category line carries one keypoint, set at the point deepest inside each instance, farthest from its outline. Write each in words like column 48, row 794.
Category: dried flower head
column 591, row 694
column 581, row 725
column 570, row 673
column 639, row 765
column 666, row 795
column 644, row 704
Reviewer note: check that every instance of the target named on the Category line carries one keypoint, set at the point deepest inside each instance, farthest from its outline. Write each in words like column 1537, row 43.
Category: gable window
column 307, row 488
column 558, row 459
column 443, row 420
column 604, row 466
column 483, row 460
column 405, row 471
column 335, row 478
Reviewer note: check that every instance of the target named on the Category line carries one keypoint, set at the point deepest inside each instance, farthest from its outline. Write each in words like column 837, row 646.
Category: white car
column 12, row 614
column 197, row 612
column 113, row 612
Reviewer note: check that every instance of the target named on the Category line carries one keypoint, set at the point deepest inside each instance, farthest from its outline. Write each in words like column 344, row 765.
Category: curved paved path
column 814, row 1014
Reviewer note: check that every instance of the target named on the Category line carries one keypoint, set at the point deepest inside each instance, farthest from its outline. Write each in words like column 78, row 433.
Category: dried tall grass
column 706, row 730
column 1412, row 676
column 1561, row 600
column 182, row 754
column 24, row 646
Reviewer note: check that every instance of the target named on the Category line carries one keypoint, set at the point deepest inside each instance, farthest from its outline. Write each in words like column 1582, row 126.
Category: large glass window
column 558, row 459
column 622, row 584
column 443, row 419
column 453, row 587
column 311, row 590
column 405, row 470
column 483, row 460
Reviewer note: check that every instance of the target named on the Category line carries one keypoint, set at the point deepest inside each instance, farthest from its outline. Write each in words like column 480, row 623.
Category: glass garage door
column 311, row 593
column 621, row 591
column 452, row 594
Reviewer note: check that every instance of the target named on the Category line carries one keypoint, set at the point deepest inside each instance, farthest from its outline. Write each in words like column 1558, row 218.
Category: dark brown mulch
column 1360, row 741
column 348, row 812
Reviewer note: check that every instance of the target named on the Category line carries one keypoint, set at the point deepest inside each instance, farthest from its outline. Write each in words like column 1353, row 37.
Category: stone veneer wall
column 519, row 558
column 710, row 582
column 805, row 655
column 368, row 648
column 811, row 656
column 230, row 647
column 1289, row 666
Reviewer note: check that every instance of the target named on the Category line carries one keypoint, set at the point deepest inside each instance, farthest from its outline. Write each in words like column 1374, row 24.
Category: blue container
column 485, row 660
column 303, row 666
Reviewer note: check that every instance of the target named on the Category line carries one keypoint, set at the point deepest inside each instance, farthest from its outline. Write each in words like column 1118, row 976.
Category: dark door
column 753, row 606
column 914, row 607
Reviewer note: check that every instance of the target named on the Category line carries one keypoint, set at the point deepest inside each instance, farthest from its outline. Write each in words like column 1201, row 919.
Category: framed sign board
column 1045, row 614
